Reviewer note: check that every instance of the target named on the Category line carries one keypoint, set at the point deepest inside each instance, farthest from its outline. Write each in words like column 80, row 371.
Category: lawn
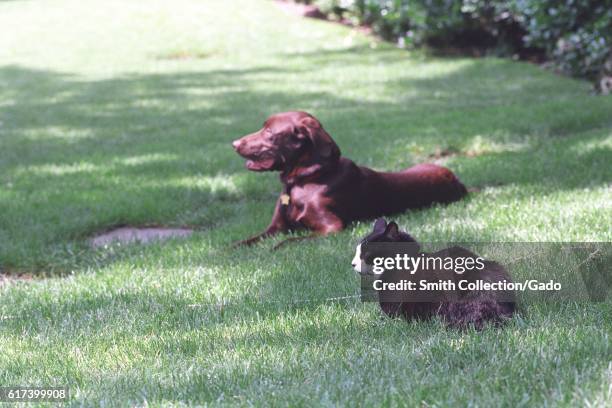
column 122, row 112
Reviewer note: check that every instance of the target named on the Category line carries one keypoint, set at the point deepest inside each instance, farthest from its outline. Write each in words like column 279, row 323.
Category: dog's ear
column 323, row 150
column 380, row 225
column 323, row 146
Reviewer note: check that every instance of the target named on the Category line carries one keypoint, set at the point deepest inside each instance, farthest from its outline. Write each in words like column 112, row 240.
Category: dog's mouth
column 260, row 165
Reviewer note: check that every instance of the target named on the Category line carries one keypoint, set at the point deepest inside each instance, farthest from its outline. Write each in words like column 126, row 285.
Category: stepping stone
column 129, row 235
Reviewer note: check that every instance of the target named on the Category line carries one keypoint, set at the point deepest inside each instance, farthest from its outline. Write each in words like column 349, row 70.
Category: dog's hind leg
column 294, row 239
column 324, row 225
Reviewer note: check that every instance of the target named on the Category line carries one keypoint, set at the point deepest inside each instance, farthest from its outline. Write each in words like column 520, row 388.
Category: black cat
column 457, row 307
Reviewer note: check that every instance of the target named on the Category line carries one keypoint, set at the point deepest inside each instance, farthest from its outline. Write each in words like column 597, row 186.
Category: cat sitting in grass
column 451, row 300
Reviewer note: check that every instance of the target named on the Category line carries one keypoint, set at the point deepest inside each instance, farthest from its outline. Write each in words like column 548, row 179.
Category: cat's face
column 382, row 232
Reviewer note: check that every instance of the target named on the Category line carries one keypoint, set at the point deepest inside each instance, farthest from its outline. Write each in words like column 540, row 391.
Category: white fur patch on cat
column 356, row 262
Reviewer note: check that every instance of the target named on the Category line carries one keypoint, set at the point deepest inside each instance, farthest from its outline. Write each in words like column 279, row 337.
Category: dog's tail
column 461, row 189
column 458, row 190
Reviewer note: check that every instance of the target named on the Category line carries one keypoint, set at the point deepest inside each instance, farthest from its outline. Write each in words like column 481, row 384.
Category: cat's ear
column 380, row 225
column 392, row 230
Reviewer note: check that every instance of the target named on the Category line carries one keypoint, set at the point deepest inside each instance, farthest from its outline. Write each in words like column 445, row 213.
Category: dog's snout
column 236, row 143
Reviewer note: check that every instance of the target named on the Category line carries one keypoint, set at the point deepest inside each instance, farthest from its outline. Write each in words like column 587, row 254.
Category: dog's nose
column 354, row 264
column 236, row 143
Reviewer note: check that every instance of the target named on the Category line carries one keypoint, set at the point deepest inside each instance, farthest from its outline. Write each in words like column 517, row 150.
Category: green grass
column 119, row 112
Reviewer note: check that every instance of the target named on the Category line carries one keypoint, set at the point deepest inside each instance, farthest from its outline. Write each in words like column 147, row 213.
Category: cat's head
column 382, row 232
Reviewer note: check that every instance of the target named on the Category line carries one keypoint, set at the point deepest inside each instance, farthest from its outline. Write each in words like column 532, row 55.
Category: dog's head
column 292, row 142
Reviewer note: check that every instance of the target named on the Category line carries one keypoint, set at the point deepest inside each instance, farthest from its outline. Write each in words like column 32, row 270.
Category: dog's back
column 362, row 193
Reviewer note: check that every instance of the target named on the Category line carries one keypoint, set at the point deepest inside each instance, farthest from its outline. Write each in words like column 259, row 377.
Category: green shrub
column 575, row 35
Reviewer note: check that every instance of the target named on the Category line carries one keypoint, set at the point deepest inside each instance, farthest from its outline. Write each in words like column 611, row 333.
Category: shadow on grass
column 80, row 155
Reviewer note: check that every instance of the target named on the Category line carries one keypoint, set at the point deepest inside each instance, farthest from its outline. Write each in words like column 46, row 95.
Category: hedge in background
column 575, row 35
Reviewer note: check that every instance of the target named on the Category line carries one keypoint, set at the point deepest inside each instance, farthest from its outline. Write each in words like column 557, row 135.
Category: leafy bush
column 575, row 35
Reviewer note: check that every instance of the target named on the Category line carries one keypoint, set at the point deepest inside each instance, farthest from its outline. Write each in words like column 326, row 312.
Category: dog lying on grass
column 322, row 191
column 457, row 308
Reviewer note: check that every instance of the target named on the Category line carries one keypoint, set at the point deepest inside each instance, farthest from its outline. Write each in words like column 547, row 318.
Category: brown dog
column 322, row 191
